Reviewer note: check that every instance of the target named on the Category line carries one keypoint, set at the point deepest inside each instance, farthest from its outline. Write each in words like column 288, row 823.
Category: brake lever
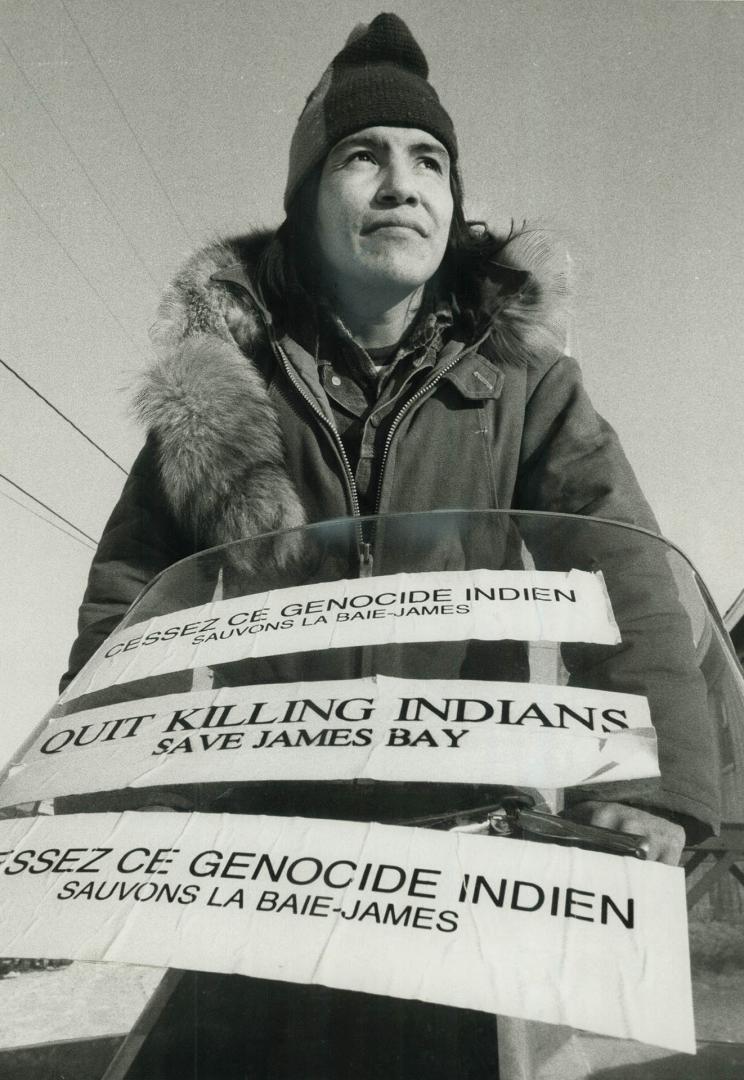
column 516, row 819
column 515, row 816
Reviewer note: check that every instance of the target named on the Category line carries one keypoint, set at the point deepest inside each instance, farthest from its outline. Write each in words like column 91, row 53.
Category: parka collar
column 520, row 314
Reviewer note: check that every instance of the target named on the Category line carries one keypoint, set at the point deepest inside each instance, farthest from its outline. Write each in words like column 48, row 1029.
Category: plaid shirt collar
column 422, row 344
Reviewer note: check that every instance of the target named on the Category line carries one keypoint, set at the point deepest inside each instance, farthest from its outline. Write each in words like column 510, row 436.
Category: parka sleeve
column 140, row 539
column 572, row 462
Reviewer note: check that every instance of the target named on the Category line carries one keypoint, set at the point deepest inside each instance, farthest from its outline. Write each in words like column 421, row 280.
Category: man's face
column 384, row 210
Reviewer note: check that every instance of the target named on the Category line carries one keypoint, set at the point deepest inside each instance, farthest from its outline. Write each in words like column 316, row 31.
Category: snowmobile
column 409, row 687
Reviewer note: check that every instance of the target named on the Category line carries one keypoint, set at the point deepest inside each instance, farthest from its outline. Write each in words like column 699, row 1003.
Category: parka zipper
column 364, row 548
column 366, row 557
column 399, row 416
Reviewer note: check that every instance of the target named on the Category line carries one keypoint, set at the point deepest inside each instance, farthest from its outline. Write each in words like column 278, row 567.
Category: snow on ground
column 80, row 1001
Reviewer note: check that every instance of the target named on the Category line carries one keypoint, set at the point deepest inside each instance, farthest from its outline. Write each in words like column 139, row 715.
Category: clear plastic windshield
column 420, row 665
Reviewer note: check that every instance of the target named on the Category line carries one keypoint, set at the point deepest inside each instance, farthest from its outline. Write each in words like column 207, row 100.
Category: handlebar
column 514, row 815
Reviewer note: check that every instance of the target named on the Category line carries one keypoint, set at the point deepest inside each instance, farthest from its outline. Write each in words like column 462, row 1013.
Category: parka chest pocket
column 476, row 379
column 479, row 383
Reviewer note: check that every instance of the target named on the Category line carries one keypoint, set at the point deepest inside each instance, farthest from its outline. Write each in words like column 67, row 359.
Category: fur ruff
column 220, row 446
column 530, row 321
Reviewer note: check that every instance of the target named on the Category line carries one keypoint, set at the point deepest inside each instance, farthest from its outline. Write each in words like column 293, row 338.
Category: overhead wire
column 49, row 508
column 64, row 416
column 82, row 273
column 71, row 257
column 81, row 164
column 41, row 517
column 126, row 120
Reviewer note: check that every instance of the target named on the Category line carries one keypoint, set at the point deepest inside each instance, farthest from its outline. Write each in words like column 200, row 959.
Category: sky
column 135, row 130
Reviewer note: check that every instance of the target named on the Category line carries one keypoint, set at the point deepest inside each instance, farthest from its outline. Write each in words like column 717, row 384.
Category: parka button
column 335, row 380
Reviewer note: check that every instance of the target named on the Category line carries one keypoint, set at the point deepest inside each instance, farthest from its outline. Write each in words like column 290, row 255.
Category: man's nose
column 397, row 186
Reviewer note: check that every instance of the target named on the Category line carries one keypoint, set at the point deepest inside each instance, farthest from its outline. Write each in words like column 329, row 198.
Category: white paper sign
column 537, row 605
column 386, row 729
column 546, row 933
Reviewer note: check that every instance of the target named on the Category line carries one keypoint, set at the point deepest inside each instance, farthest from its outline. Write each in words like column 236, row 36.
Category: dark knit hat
column 379, row 78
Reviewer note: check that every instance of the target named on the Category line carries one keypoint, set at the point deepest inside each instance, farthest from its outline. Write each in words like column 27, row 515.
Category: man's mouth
column 393, row 223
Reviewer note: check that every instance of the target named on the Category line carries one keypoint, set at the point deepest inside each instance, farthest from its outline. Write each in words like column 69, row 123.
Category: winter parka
column 241, row 441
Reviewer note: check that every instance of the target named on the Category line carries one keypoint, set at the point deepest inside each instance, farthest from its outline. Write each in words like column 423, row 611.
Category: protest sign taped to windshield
column 457, row 731
column 499, row 925
column 489, row 605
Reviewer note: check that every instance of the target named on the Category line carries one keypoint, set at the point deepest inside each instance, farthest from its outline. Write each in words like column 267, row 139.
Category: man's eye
column 361, row 155
column 432, row 163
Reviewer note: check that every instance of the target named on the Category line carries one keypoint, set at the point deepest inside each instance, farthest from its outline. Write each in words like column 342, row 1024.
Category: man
column 377, row 353
column 334, row 367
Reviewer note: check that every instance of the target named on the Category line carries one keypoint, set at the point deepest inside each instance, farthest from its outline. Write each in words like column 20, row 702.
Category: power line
column 33, row 497
column 72, row 259
column 124, row 116
column 54, row 525
column 81, row 165
column 59, row 412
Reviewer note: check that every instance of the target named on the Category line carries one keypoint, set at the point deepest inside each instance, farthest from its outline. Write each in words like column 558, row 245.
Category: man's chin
column 399, row 276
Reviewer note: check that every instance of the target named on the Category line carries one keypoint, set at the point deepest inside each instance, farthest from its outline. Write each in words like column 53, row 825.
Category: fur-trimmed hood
column 219, row 441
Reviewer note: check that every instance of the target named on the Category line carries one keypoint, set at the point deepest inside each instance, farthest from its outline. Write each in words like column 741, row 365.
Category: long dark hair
column 287, row 272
